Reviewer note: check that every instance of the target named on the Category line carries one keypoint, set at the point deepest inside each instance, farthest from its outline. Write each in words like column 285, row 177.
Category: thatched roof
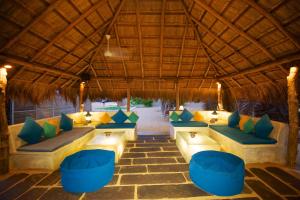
column 157, row 45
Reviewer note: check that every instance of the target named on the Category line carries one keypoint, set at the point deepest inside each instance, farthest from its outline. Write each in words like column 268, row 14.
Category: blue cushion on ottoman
column 218, row 173
column 87, row 170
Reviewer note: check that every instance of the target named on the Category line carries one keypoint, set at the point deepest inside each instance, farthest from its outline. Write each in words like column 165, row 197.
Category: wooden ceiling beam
column 50, row 8
column 182, row 47
column 120, row 49
column 237, row 30
column 194, row 64
column 162, row 25
column 199, row 39
column 108, row 30
column 98, row 83
column 35, row 66
column 274, row 21
column 266, row 65
column 137, row 78
column 69, row 28
column 138, row 21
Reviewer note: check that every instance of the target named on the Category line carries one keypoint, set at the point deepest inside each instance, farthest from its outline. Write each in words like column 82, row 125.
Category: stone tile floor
column 152, row 168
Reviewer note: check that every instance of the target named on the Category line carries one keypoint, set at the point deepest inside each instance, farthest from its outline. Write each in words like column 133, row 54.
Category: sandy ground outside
column 151, row 121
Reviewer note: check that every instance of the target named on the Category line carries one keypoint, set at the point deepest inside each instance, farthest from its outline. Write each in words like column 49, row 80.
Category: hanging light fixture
column 107, row 53
column 3, row 75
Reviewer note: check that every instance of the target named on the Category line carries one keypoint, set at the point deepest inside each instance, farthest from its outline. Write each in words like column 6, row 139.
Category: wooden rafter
column 36, row 66
column 11, row 41
column 138, row 21
column 266, row 65
column 68, row 28
column 237, row 30
column 162, row 24
column 120, row 49
column 137, row 78
column 109, row 28
column 274, row 21
column 98, row 83
column 182, row 47
column 194, row 64
column 69, row 81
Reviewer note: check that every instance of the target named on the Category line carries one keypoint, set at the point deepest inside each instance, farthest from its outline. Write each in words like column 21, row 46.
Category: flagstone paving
column 153, row 168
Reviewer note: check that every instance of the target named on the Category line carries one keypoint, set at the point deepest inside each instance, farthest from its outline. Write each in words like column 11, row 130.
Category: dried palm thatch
column 245, row 44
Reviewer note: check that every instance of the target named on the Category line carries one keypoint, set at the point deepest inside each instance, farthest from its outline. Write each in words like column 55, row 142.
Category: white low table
column 114, row 141
column 190, row 143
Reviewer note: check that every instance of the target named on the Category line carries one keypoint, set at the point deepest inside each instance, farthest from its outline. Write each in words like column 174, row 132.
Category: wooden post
column 4, row 144
column 177, row 96
column 293, row 116
column 81, row 91
column 128, row 99
column 220, row 101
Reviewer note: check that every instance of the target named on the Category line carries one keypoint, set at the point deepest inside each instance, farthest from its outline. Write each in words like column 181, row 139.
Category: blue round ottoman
column 87, row 170
column 218, row 173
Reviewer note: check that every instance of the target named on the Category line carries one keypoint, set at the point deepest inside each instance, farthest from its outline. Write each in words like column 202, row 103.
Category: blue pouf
column 87, row 170
column 218, row 173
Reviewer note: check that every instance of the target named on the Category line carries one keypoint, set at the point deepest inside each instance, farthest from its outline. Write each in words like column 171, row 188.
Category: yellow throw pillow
column 198, row 117
column 55, row 122
column 105, row 118
column 243, row 120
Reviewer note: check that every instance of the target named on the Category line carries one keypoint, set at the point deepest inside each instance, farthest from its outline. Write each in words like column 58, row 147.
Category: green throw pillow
column 249, row 126
column 31, row 132
column 66, row 123
column 133, row 117
column 49, row 130
column 174, row 116
column 263, row 127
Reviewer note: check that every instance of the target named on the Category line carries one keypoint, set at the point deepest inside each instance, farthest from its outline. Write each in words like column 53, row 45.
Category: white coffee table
column 190, row 143
column 114, row 141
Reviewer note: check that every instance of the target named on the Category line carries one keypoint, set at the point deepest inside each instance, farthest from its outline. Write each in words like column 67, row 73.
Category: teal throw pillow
column 49, row 130
column 186, row 115
column 31, row 132
column 263, row 127
column 66, row 123
column 249, row 126
column 234, row 119
column 133, row 117
column 174, row 116
column 119, row 117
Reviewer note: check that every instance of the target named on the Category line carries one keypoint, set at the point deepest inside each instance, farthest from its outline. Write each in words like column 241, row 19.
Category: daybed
column 47, row 154
column 250, row 148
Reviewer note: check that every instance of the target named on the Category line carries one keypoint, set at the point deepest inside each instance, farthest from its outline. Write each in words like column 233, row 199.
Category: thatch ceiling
column 157, row 45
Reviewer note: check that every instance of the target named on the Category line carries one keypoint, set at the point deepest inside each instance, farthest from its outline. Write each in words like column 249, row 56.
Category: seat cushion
column 241, row 137
column 52, row 144
column 119, row 117
column 189, row 124
column 115, row 125
column 31, row 132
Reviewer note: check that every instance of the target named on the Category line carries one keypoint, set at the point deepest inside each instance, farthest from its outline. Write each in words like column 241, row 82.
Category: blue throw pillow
column 66, row 123
column 234, row 119
column 31, row 132
column 120, row 117
column 263, row 127
column 186, row 115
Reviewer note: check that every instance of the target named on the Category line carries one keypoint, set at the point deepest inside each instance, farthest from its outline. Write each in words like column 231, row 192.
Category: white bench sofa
column 250, row 153
column 47, row 154
column 127, row 127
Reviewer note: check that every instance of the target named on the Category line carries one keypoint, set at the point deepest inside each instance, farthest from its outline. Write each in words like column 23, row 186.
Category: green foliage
column 140, row 101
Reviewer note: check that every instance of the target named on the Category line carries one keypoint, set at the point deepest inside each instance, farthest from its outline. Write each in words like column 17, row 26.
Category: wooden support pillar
column 128, row 99
column 4, row 143
column 293, row 116
column 220, row 101
column 177, row 96
column 81, row 91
